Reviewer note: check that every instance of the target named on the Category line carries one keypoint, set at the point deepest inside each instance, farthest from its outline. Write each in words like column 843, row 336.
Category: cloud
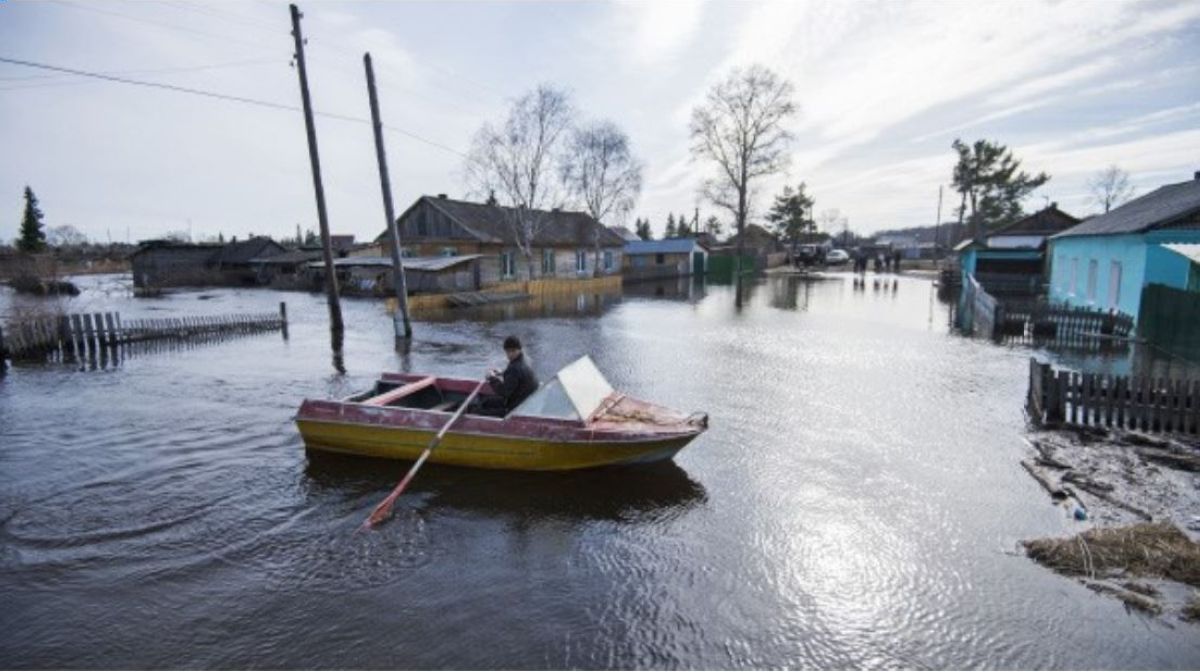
column 657, row 31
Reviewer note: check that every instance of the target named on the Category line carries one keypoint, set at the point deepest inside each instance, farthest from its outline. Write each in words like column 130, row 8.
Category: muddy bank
column 1117, row 477
column 1141, row 495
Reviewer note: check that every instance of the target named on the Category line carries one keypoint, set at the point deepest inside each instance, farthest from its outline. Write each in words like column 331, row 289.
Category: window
column 449, row 251
column 548, row 262
column 1114, row 284
column 581, row 261
column 608, row 260
column 407, row 252
column 660, row 259
column 1093, row 267
column 1074, row 276
column 508, row 265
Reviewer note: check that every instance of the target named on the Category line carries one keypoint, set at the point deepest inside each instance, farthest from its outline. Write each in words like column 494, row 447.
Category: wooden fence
column 1028, row 322
column 981, row 314
column 978, row 315
column 1124, row 402
column 86, row 335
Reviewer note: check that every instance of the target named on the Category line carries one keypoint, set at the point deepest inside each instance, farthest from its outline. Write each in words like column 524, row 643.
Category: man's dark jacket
column 518, row 382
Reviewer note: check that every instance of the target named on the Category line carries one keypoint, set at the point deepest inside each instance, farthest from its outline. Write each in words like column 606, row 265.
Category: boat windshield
column 574, row 393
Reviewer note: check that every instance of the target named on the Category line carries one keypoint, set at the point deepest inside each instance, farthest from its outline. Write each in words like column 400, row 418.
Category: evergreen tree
column 310, row 238
column 643, row 229
column 684, row 229
column 33, row 237
column 791, row 213
column 220, row 237
column 670, row 226
column 990, row 180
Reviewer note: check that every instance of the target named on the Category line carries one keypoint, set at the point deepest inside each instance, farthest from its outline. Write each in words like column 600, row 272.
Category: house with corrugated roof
column 673, row 257
column 1012, row 258
column 567, row 245
column 1108, row 261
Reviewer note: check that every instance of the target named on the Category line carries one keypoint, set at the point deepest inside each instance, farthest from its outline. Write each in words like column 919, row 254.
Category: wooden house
column 565, row 247
column 373, row 276
column 673, row 257
column 165, row 263
column 1012, row 258
column 1108, row 261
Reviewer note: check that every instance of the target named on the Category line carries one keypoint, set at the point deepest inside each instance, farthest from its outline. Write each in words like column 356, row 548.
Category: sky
column 882, row 89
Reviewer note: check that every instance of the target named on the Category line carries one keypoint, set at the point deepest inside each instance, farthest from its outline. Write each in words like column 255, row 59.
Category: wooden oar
column 384, row 510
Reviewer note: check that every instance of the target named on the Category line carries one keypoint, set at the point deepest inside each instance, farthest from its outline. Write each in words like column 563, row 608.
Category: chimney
column 1196, row 175
column 442, row 196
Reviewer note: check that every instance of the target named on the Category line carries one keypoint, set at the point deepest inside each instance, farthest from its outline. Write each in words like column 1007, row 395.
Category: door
column 697, row 263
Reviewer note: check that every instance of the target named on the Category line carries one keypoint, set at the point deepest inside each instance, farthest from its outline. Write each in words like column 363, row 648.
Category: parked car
column 836, row 257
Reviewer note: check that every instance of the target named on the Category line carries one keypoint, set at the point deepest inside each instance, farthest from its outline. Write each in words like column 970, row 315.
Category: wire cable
column 223, row 96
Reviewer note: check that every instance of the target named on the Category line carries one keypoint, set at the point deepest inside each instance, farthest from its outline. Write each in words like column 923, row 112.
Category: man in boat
column 511, row 387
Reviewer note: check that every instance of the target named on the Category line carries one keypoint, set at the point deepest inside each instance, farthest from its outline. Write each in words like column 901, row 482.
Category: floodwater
column 857, row 501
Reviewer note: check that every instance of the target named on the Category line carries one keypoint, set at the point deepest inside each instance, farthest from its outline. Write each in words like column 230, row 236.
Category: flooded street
column 856, row 502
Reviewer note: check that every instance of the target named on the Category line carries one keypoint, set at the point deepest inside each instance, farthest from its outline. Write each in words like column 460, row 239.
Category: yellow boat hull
column 482, row 450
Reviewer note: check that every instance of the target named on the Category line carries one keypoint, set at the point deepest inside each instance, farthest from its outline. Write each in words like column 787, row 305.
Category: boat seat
column 401, row 392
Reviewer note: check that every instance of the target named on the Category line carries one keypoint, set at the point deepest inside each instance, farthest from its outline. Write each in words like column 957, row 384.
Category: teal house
column 1105, row 262
column 1011, row 260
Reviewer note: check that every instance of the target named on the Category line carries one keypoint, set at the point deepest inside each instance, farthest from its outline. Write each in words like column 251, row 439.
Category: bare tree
column 518, row 162
column 1110, row 187
column 602, row 173
column 740, row 128
column 65, row 236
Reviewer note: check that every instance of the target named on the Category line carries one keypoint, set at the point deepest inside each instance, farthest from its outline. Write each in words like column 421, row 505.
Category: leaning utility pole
column 937, row 226
column 400, row 322
column 336, row 329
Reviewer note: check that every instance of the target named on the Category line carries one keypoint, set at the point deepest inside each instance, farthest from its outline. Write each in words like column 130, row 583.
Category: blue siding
column 1142, row 261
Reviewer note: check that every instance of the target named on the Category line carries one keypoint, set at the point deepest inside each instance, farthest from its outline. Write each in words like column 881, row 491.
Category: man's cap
column 512, row 343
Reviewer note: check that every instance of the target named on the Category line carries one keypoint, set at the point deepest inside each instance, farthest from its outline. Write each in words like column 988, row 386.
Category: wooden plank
column 1195, row 403
column 1134, row 410
column 101, row 334
column 111, row 327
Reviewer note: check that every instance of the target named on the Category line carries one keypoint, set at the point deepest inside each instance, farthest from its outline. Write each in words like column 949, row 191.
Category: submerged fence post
column 283, row 318
column 3, row 353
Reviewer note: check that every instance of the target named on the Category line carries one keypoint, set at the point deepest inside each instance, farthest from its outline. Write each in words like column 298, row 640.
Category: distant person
column 878, row 263
column 896, row 261
column 511, row 387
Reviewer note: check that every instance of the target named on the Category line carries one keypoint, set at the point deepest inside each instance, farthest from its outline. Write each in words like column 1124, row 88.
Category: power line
column 38, row 81
column 222, row 96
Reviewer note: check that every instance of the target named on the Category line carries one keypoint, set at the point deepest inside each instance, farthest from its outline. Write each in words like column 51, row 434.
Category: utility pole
column 336, row 329
column 937, row 225
column 400, row 322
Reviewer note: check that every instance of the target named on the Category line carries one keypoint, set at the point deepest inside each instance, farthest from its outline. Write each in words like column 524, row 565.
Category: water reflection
column 591, row 304
column 649, row 492
column 684, row 288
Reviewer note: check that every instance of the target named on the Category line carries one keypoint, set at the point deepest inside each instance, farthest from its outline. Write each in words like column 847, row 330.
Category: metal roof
column 437, row 263
column 410, row 264
column 1160, row 207
column 668, row 246
column 1189, row 250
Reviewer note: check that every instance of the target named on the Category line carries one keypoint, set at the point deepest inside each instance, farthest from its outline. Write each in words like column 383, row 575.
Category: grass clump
column 1143, row 549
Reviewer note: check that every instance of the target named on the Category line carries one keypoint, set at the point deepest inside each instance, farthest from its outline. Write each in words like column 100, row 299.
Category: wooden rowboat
column 574, row 421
